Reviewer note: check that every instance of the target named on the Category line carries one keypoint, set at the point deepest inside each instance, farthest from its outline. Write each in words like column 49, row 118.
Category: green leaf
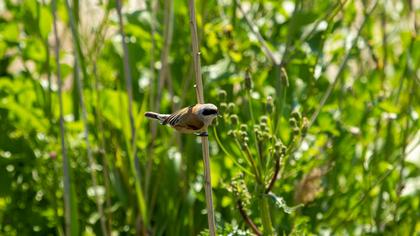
column 9, row 32
column 45, row 22
column 24, row 118
column 35, row 50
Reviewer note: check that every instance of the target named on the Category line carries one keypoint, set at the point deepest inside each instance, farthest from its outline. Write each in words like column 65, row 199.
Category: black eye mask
column 207, row 112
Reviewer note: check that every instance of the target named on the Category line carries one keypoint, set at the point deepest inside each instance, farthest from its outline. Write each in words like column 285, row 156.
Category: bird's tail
column 156, row 116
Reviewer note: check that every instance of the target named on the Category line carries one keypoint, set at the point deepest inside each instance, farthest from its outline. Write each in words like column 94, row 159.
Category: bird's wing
column 189, row 122
column 184, row 118
column 175, row 117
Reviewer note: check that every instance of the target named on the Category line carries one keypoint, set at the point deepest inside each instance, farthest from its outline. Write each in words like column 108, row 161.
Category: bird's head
column 207, row 112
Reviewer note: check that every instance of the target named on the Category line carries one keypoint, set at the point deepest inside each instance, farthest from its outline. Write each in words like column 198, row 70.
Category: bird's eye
column 207, row 112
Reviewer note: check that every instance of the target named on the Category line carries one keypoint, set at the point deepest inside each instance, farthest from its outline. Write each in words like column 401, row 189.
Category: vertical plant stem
column 251, row 114
column 134, row 163
column 168, row 24
column 92, row 162
column 153, row 126
column 66, row 167
column 103, row 152
column 153, row 9
column 282, row 82
column 207, row 186
column 76, row 39
column 168, row 5
column 95, row 50
column 200, row 98
column 257, row 171
column 265, row 215
column 127, row 75
column 196, row 52
column 48, row 68
column 80, row 63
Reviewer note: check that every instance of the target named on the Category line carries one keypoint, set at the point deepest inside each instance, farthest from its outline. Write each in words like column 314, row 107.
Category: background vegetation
column 318, row 133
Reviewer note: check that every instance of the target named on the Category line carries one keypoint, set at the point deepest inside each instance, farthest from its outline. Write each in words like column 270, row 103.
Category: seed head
column 270, row 105
column 222, row 95
column 305, row 126
column 223, row 107
column 263, row 119
column 231, row 107
column 296, row 131
column 296, row 114
column 234, row 120
column 248, row 80
column 293, row 122
column 283, row 150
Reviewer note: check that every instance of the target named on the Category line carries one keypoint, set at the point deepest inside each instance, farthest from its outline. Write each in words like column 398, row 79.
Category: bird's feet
column 203, row 134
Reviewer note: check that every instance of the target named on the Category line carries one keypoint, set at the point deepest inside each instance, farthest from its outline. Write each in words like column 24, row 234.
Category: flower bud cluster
column 298, row 124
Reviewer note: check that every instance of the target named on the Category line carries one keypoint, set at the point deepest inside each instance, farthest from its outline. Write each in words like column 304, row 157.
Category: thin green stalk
column 168, row 24
column 254, row 165
column 92, row 162
column 153, row 9
column 245, row 156
column 128, row 78
column 163, row 73
column 80, row 58
column 251, row 114
column 153, row 125
column 200, row 99
column 265, row 215
column 233, row 18
column 103, row 152
column 66, row 165
column 227, row 153
column 48, row 68
column 100, row 34
column 281, row 89
column 76, row 38
column 95, row 50
column 128, row 83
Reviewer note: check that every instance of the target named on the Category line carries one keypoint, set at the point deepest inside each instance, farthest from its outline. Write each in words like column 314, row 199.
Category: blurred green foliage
column 352, row 169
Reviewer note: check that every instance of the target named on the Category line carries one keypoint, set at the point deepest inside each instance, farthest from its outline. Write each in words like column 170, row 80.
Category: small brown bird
column 192, row 119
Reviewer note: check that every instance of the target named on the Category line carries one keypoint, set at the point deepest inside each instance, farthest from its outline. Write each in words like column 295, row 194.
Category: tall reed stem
column 200, row 99
column 80, row 64
column 265, row 215
column 92, row 162
column 134, row 163
column 66, row 167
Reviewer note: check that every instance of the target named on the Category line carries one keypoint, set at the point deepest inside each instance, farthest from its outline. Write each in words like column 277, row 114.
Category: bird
column 192, row 119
